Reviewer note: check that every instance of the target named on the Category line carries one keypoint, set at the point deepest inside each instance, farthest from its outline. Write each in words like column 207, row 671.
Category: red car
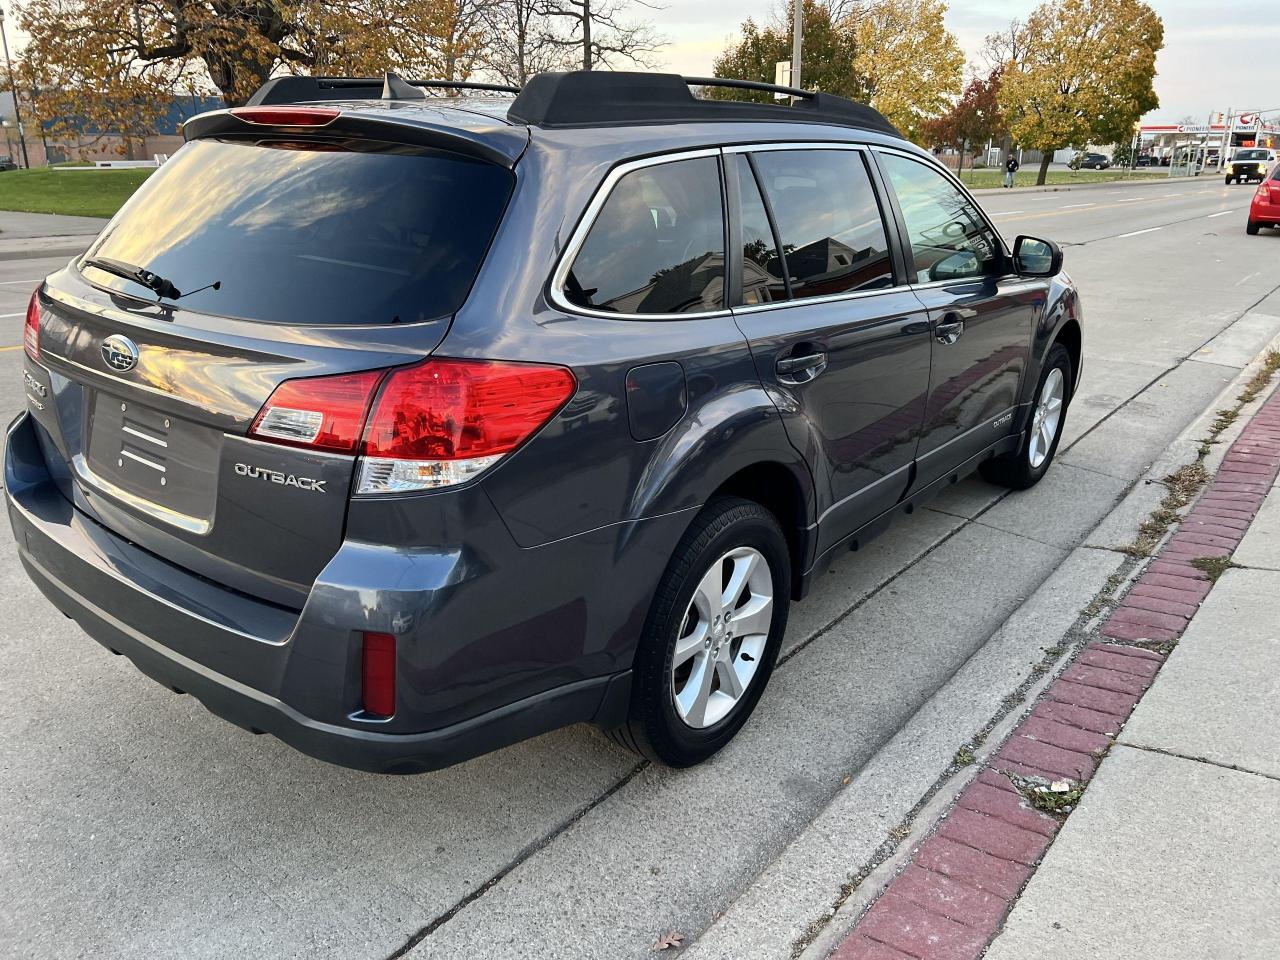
column 1265, row 209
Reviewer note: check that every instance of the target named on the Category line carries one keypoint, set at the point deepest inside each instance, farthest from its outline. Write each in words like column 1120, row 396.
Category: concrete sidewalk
column 1175, row 848
column 1159, row 738
column 28, row 236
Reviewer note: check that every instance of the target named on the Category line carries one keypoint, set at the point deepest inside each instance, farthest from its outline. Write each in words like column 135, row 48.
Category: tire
column 1228, row 181
column 1252, row 228
column 1023, row 469
column 670, row 729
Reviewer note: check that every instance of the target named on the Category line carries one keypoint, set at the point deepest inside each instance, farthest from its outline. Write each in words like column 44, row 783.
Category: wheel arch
column 777, row 488
column 1071, row 336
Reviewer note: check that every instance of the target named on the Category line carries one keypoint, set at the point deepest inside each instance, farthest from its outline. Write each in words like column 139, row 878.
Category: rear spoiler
column 472, row 135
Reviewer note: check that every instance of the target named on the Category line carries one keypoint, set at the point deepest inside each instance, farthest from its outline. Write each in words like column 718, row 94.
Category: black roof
column 595, row 98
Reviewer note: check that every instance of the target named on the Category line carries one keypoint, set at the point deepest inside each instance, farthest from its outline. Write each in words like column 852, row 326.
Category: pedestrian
column 1010, row 168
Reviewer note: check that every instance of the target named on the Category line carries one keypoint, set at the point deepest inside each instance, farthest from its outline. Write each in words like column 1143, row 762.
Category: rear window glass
column 657, row 245
column 311, row 233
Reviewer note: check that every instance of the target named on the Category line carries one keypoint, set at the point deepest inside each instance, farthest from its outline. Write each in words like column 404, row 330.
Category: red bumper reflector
column 378, row 673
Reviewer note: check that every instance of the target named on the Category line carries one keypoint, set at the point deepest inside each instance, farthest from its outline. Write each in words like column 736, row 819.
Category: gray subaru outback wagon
column 406, row 420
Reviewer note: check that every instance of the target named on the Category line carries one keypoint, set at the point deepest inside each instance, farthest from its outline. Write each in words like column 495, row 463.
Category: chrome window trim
column 588, row 220
column 797, row 145
column 829, row 298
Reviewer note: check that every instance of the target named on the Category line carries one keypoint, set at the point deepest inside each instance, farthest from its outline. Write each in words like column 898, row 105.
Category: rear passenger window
column 657, row 245
column 761, row 266
column 833, row 236
column 949, row 238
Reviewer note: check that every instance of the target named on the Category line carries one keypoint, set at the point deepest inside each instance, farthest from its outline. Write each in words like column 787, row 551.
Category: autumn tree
column 908, row 62
column 826, row 61
column 895, row 54
column 1084, row 72
column 117, row 64
column 974, row 118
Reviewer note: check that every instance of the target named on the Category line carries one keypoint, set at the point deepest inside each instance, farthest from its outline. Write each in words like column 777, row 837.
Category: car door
column 982, row 315
column 841, row 343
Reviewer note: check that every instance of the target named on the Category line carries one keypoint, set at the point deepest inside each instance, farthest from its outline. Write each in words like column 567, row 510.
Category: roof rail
column 602, row 98
column 388, row 87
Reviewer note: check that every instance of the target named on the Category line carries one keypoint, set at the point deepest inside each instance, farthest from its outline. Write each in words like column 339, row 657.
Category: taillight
column 31, row 331
column 378, row 673
column 286, row 116
column 325, row 413
column 433, row 425
column 446, row 421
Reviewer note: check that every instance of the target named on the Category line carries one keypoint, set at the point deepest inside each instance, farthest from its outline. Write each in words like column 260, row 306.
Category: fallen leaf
column 669, row 941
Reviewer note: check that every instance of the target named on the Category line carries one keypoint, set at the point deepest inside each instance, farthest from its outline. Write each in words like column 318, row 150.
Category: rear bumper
column 262, row 667
column 1264, row 212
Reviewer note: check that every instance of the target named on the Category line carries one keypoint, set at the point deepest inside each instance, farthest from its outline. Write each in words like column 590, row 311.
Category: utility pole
column 13, row 85
column 797, row 31
column 586, row 34
column 1228, row 121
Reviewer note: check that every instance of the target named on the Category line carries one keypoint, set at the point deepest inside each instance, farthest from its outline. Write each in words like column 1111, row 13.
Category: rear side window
column 949, row 238
column 657, row 245
column 308, row 233
column 833, row 236
column 761, row 266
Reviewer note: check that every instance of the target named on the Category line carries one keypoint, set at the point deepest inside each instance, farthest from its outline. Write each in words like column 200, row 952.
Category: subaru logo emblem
column 120, row 353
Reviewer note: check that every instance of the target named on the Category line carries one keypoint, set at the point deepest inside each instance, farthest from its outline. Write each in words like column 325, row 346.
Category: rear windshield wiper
column 152, row 281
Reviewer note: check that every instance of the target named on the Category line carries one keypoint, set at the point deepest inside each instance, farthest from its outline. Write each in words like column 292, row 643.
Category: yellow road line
column 15, row 347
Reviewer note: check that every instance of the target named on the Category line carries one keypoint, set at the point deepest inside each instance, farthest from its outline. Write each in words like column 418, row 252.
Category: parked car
column 1264, row 209
column 1248, row 165
column 1145, row 160
column 6, row 163
column 404, row 428
column 1089, row 161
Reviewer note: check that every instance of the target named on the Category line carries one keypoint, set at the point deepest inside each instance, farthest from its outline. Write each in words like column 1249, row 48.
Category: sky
column 1217, row 55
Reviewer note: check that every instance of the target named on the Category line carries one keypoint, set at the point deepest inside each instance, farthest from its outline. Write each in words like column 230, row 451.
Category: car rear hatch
column 272, row 253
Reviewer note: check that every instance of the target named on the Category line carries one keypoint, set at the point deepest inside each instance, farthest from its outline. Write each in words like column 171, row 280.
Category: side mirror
column 1033, row 257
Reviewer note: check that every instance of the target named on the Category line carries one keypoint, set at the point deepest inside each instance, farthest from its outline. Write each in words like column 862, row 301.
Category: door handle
column 802, row 368
column 949, row 332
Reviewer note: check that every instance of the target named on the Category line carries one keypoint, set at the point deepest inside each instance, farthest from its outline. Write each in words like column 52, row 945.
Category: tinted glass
column 761, row 267
column 833, row 237
column 1251, row 155
column 311, row 233
column 949, row 239
column 657, row 245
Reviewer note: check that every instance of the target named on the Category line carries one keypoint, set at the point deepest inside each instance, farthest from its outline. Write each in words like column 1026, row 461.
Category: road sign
column 782, row 77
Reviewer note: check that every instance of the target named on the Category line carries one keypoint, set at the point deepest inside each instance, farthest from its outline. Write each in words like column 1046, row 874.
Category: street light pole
column 13, row 84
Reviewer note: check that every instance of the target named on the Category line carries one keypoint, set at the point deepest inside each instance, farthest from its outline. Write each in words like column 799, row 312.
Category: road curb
column 1096, row 185
column 950, row 900
column 37, row 248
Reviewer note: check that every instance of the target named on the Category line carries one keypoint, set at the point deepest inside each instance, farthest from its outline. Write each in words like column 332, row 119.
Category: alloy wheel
column 1047, row 417
column 722, row 637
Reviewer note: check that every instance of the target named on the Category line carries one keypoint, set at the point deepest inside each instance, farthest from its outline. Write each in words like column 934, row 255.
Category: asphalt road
column 134, row 824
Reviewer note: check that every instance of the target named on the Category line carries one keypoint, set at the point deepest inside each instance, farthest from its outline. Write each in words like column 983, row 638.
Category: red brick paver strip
column 950, row 900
